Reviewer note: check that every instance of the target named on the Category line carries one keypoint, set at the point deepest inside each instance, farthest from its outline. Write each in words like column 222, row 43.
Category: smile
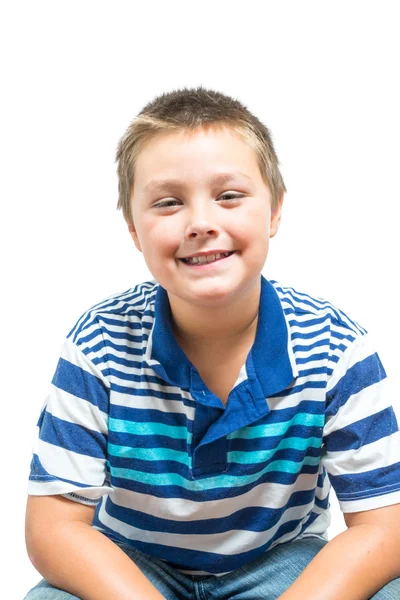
column 205, row 260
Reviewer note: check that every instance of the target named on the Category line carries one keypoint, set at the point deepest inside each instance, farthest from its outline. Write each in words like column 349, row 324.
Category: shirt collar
column 271, row 354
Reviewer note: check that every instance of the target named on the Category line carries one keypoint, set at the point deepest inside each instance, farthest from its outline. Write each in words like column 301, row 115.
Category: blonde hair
column 189, row 109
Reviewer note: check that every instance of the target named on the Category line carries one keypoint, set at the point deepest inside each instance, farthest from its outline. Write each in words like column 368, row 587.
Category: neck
column 217, row 326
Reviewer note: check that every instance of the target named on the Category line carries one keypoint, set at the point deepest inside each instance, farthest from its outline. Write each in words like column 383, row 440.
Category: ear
column 134, row 234
column 276, row 215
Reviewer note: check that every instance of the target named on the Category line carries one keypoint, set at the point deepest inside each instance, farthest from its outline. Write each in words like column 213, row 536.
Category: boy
column 196, row 421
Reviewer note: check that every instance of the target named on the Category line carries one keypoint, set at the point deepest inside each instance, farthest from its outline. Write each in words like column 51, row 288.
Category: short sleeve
column 361, row 445
column 70, row 442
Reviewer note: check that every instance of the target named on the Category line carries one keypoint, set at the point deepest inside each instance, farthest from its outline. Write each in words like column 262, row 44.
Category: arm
column 73, row 556
column 355, row 564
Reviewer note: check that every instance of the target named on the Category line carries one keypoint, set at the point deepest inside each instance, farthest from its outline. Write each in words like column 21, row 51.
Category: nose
column 201, row 222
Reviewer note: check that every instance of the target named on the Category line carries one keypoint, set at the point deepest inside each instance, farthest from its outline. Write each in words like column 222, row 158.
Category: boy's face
column 200, row 210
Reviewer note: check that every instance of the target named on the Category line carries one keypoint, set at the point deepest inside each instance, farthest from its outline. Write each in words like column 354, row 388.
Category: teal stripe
column 148, row 453
column 278, row 429
column 259, row 456
column 176, row 432
column 219, row 481
column 149, row 428
column 237, row 456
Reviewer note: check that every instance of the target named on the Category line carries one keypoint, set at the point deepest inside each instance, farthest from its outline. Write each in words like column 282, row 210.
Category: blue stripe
column 337, row 347
column 320, row 357
column 138, row 378
column 377, row 482
column 108, row 344
column 308, row 411
column 138, row 293
column 305, row 407
column 309, row 347
column 306, row 301
column 124, row 323
column 39, row 474
column 80, row 383
column 148, row 442
column 363, row 432
column 321, row 478
column 295, row 437
column 73, row 437
column 295, row 298
column 143, row 415
column 358, row 377
column 322, row 504
column 124, row 362
column 342, row 336
column 136, row 437
column 211, row 562
column 166, row 463
column 314, row 320
column 254, row 518
column 307, row 385
column 149, row 392
column 186, row 480
column 117, row 335
column 280, row 428
column 311, row 334
column 191, row 490
column 324, row 370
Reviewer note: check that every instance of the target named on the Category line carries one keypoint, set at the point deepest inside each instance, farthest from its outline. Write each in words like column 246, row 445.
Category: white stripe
column 60, row 462
column 359, row 350
column 322, row 493
column 124, row 343
column 72, row 409
column 266, row 495
column 321, row 307
column 309, row 353
column 52, row 488
column 142, row 292
column 155, row 403
column 309, row 342
column 367, row 402
column 314, row 364
column 308, row 329
column 379, row 454
column 358, row 504
column 308, row 394
column 74, row 355
column 228, row 543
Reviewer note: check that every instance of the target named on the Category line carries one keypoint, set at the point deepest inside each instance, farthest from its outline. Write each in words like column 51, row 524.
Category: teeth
column 206, row 259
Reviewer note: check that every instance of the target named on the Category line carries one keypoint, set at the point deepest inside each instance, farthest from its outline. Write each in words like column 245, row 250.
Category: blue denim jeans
column 263, row 579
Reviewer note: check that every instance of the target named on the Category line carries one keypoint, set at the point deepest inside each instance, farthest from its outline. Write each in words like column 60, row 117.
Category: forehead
column 216, row 153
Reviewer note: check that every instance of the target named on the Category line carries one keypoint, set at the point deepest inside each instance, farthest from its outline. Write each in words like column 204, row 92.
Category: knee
column 45, row 591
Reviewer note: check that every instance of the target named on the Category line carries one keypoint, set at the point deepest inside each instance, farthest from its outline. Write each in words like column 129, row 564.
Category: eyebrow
column 216, row 179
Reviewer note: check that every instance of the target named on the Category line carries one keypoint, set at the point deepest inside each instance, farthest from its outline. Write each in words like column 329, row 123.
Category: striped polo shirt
column 130, row 427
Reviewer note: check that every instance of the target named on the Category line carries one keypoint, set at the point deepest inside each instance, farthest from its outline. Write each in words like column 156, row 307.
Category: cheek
column 256, row 220
column 159, row 237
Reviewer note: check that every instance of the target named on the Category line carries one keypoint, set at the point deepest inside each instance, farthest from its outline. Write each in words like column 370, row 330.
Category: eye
column 231, row 196
column 227, row 197
column 167, row 203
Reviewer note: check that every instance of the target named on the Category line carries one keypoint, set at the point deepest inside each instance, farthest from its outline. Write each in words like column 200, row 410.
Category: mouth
column 205, row 261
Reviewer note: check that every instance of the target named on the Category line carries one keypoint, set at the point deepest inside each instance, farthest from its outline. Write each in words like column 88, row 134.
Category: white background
column 322, row 75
